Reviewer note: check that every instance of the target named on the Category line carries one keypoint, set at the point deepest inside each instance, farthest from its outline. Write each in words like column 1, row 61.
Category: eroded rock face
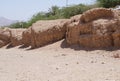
column 46, row 32
column 116, row 38
column 72, row 34
column 26, row 37
column 16, row 36
column 96, row 13
column 75, row 18
column 97, row 28
column 4, row 37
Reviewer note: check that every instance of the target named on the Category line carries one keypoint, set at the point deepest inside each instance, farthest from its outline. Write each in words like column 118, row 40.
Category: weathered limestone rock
column 16, row 36
column 72, row 33
column 116, row 38
column 97, row 28
column 26, row 37
column 4, row 37
column 96, row 13
column 47, row 31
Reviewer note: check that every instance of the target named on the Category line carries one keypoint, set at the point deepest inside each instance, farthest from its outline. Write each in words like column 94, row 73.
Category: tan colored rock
column 96, row 13
column 16, row 36
column 47, row 31
column 26, row 37
column 72, row 34
column 116, row 38
column 103, row 26
column 75, row 18
column 85, row 28
column 5, row 36
column 104, row 41
column 86, row 40
column 97, row 31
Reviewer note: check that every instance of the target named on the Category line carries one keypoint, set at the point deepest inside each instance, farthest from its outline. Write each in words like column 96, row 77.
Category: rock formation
column 16, row 36
column 4, row 37
column 75, row 18
column 97, row 28
column 26, row 37
column 46, row 32
column 96, row 13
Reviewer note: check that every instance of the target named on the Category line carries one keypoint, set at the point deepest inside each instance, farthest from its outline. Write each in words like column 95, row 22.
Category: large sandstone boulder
column 116, row 38
column 4, row 37
column 5, row 34
column 96, row 29
column 16, row 36
column 47, row 31
column 26, row 37
column 96, row 13
column 72, row 34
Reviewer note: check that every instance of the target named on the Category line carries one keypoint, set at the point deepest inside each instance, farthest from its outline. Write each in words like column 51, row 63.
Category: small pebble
column 66, row 64
column 92, row 61
column 77, row 62
column 57, row 68
column 102, row 63
column 63, row 54
column 21, row 56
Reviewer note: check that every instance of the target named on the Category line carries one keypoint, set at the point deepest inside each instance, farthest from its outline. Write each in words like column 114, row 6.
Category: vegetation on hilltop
column 108, row 3
column 56, row 12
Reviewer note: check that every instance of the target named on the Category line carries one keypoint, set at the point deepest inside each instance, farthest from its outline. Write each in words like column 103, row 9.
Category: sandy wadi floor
column 53, row 63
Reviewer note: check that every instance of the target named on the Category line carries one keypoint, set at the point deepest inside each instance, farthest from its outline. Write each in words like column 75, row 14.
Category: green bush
column 108, row 3
column 74, row 10
column 19, row 25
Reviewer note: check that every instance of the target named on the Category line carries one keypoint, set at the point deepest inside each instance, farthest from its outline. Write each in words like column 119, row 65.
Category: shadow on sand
column 78, row 48
column 9, row 46
column 65, row 45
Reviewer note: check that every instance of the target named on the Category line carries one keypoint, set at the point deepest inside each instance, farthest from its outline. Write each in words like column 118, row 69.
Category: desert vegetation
column 108, row 3
column 54, row 12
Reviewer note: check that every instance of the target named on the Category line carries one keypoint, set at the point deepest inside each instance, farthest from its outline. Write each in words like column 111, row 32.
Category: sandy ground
column 53, row 63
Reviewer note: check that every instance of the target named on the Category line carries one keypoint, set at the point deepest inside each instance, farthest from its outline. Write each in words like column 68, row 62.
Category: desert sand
column 56, row 62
